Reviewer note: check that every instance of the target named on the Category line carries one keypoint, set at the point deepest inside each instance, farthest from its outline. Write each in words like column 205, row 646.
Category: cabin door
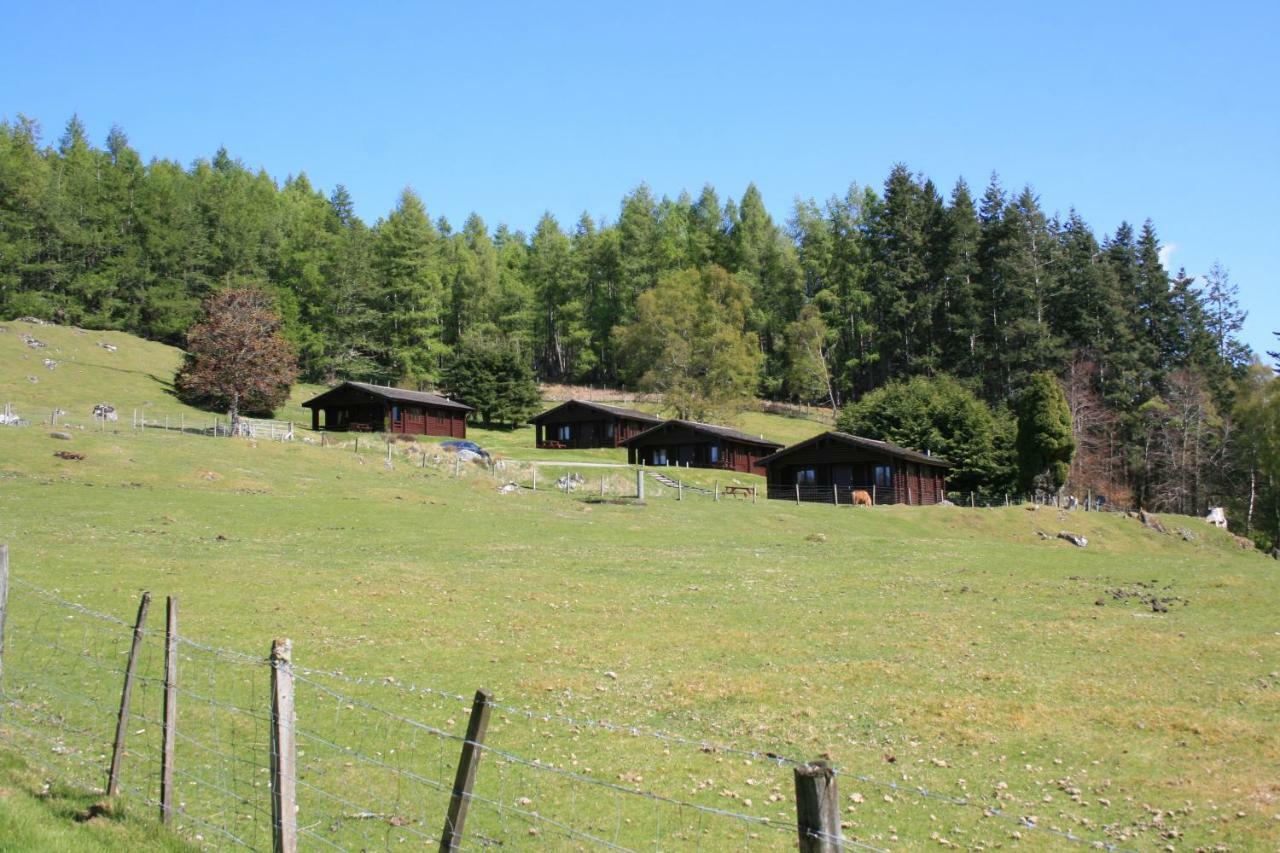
column 842, row 476
column 588, row 437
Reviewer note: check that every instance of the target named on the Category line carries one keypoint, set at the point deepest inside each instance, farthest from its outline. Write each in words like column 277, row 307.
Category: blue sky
column 1122, row 110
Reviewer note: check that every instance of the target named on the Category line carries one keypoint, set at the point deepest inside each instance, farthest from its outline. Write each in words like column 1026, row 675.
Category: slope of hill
column 966, row 651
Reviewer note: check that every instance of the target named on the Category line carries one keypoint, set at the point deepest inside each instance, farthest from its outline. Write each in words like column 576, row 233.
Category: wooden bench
column 361, row 427
column 554, row 445
column 745, row 491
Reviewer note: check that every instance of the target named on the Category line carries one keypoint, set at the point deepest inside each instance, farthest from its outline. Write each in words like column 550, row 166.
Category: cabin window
column 715, row 453
column 564, row 432
column 608, row 429
column 395, row 413
column 659, row 456
column 806, row 476
column 884, row 476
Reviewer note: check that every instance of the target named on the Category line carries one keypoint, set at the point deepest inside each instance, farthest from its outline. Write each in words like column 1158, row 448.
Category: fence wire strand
column 375, row 757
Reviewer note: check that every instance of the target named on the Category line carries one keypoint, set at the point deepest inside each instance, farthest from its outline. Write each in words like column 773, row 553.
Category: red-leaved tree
column 236, row 357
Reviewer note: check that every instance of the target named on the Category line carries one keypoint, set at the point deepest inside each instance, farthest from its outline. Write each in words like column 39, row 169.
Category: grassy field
column 948, row 648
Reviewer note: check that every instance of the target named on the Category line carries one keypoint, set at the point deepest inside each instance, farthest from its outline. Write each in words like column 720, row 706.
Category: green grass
column 957, row 642
column 37, row 812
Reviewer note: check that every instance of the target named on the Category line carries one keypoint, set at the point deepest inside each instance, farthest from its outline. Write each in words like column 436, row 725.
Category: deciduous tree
column 237, row 357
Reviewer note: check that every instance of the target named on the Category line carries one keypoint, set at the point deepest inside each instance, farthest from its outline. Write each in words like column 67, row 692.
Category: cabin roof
column 616, row 411
column 708, row 429
column 395, row 395
column 863, row 444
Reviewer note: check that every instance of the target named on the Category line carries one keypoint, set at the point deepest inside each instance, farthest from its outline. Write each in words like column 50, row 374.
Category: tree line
column 709, row 300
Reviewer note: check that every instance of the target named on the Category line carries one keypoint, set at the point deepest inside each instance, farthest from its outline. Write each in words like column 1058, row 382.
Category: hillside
column 953, row 649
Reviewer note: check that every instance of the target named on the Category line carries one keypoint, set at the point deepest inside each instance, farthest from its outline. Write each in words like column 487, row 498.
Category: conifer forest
column 971, row 289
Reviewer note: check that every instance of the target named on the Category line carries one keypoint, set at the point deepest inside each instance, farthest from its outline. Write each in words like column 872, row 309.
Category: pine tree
column 959, row 310
column 1154, row 320
column 411, row 293
column 1224, row 317
column 1045, row 444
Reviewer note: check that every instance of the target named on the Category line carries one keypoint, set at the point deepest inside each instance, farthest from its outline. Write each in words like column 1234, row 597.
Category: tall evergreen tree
column 411, row 292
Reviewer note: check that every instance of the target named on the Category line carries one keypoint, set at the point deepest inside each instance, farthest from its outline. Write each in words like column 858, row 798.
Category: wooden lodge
column 832, row 467
column 361, row 407
column 697, row 445
column 581, row 423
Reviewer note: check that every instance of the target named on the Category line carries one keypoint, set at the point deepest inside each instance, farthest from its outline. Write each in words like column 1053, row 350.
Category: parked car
column 468, row 450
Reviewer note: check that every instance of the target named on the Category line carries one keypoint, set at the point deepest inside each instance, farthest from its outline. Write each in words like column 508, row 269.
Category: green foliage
column 237, row 358
column 690, row 342
column 858, row 290
column 1045, row 443
column 489, row 375
column 942, row 416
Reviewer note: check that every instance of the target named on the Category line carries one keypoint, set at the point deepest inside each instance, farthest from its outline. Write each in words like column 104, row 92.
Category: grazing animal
column 861, row 498
column 105, row 412
column 1217, row 516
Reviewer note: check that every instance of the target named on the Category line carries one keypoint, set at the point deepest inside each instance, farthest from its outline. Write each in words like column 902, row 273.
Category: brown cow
column 861, row 498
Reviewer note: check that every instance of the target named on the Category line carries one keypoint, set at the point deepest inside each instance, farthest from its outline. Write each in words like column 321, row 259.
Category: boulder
column 61, row 436
column 1074, row 539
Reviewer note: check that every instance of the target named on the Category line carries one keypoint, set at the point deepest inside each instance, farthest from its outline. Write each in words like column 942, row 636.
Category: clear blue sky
column 1126, row 111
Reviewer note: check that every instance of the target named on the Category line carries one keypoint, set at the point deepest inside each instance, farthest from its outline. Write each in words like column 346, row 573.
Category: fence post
column 126, row 695
column 717, row 493
column 284, row 808
column 873, row 495
column 639, row 484
column 602, row 485
column 753, row 495
column 817, row 809
column 456, row 820
column 357, row 445
column 535, row 476
column 835, row 494
column 4, row 600
column 679, row 490
column 170, row 721
column 797, row 494
column 457, row 463
column 973, row 501
column 388, row 451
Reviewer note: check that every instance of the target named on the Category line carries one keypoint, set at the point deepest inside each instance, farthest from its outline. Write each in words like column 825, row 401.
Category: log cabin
column 581, row 423
column 831, row 467
column 362, row 407
column 698, row 445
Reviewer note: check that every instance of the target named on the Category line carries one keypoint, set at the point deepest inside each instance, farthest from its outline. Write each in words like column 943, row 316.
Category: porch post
column 315, row 420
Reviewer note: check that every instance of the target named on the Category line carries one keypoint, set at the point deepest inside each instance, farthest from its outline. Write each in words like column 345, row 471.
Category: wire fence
column 377, row 763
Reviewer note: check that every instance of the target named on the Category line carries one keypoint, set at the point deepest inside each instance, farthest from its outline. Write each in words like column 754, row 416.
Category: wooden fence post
column 817, row 809
column 4, row 600
column 602, row 485
column 357, row 445
column 835, row 494
column 717, row 492
column 679, row 490
column 284, row 800
column 535, row 476
column 170, row 707
column 126, row 695
column 797, row 494
column 873, row 495
column 753, row 495
column 455, row 821
column 639, row 484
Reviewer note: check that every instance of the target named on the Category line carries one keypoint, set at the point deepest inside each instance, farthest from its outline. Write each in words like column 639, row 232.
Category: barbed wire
column 92, row 656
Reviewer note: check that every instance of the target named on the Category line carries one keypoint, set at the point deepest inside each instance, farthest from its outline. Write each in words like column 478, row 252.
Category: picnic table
column 745, row 491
